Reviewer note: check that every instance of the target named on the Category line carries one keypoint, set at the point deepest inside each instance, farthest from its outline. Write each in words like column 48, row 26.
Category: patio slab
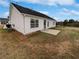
column 51, row 31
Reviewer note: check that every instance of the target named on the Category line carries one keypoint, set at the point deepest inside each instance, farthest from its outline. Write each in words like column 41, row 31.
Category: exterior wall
column 16, row 19
column 21, row 22
column 28, row 29
column 52, row 23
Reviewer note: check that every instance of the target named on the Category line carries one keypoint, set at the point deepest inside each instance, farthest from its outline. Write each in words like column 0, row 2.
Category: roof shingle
column 30, row 11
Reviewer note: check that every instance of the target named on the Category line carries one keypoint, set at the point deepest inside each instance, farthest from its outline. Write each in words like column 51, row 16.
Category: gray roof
column 30, row 11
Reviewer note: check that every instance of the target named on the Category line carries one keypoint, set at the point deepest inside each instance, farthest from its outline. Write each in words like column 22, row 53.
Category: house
column 26, row 20
column 3, row 21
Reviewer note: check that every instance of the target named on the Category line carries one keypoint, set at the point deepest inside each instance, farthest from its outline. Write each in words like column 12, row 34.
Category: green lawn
column 40, row 45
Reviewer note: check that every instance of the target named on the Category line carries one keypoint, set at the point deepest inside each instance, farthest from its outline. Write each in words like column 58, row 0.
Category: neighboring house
column 3, row 21
column 26, row 20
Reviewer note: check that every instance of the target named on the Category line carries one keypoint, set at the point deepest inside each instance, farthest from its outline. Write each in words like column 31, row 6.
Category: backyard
column 40, row 45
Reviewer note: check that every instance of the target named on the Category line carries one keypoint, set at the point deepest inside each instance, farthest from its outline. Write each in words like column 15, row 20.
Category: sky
column 57, row 9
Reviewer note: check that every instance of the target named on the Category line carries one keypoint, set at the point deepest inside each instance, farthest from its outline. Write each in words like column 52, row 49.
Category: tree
column 65, row 22
column 71, row 21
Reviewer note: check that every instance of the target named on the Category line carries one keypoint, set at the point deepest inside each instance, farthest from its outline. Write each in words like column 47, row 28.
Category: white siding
column 22, row 23
column 52, row 23
column 28, row 29
column 17, row 20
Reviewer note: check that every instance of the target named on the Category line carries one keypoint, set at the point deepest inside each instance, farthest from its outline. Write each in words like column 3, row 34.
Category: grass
column 5, row 30
column 40, row 45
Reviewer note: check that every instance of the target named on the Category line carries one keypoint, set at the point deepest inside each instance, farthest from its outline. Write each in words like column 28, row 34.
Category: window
column 48, row 23
column 34, row 23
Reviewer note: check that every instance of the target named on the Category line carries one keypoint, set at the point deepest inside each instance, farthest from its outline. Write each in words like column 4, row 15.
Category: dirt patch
column 64, row 47
column 77, row 43
column 56, row 48
column 39, row 46
column 48, row 48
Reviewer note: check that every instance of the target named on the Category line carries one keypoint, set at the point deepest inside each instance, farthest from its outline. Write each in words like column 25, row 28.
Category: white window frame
column 34, row 23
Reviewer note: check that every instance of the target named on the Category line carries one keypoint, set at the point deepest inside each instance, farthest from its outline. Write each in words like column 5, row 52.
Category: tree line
column 70, row 22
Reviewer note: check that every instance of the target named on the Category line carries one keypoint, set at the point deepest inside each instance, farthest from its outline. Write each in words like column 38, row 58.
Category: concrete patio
column 51, row 31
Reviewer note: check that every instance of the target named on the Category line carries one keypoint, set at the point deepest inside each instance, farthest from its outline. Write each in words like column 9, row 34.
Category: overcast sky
column 58, row 9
